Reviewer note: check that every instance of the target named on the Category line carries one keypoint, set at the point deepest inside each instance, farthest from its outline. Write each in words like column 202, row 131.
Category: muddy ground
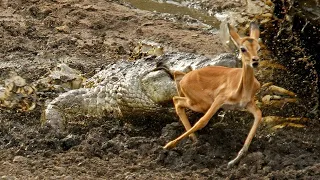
column 38, row 34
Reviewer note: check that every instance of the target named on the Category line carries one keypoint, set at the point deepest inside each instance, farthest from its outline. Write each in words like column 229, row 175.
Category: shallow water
column 177, row 7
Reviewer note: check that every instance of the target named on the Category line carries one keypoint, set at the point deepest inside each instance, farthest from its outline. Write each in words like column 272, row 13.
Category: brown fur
column 207, row 89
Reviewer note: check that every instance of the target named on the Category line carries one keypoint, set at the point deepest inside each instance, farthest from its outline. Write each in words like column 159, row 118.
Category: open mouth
column 255, row 64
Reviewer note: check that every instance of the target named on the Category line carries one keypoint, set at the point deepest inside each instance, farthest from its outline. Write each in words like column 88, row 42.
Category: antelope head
column 248, row 46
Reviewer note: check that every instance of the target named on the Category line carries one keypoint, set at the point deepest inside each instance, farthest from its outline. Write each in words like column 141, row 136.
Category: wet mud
column 36, row 35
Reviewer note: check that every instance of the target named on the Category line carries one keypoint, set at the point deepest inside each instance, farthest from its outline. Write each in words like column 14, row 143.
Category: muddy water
column 176, row 7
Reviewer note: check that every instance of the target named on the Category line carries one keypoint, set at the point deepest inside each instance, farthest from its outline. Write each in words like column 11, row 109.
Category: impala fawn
column 207, row 89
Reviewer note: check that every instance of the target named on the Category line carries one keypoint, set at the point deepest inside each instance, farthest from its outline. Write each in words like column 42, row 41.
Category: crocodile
column 128, row 88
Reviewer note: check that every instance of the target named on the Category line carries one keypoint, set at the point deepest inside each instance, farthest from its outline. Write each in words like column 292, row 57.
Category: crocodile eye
column 243, row 49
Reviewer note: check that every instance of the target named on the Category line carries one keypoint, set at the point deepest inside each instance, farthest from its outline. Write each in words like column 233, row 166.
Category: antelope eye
column 243, row 49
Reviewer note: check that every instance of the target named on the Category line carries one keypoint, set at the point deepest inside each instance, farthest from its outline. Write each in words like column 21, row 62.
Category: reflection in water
column 174, row 7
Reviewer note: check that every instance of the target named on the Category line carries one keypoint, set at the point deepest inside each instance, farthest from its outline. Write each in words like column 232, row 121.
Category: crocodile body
column 128, row 88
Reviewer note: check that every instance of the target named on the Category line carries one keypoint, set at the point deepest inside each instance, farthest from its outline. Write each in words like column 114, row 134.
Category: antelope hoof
column 232, row 163
column 240, row 155
column 235, row 161
column 170, row 145
column 193, row 137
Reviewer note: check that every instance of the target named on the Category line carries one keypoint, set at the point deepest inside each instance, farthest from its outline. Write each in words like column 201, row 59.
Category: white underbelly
column 239, row 106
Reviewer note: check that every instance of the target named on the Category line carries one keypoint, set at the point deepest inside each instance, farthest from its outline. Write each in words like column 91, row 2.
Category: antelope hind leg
column 200, row 124
column 178, row 75
column 180, row 104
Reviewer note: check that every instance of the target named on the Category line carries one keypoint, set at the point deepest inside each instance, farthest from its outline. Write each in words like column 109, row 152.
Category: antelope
column 210, row 88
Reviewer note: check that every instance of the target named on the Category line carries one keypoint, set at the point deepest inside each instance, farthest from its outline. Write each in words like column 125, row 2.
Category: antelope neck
column 246, row 81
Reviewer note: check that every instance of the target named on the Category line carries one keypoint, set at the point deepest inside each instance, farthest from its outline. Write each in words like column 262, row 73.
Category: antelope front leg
column 257, row 119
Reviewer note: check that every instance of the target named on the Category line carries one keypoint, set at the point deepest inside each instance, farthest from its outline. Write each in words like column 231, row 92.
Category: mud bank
column 38, row 34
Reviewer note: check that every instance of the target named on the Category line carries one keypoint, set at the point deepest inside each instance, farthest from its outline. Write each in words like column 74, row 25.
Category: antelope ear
column 254, row 30
column 234, row 35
